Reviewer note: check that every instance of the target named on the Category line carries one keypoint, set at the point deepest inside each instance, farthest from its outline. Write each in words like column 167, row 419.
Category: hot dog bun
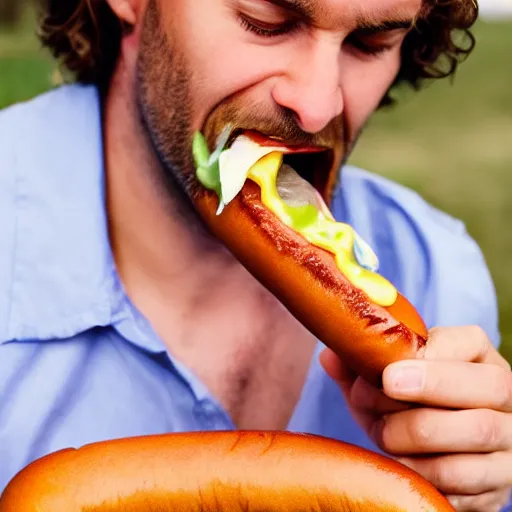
column 306, row 280
column 219, row 472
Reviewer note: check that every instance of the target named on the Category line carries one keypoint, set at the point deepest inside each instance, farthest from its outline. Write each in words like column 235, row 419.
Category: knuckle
column 453, row 473
column 444, row 472
column 478, row 332
column 480, row 337
column 487, row 430
column 502, row 388
column 420, row 430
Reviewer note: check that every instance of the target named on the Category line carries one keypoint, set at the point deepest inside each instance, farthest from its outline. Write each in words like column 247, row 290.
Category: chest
column 256, row 373
column 99, row 386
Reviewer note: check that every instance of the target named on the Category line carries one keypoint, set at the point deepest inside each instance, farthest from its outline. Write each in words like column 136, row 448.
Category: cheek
column 364, row 83
column 220, row 57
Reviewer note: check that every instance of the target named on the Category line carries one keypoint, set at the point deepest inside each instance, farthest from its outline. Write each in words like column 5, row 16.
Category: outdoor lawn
column 452, row 142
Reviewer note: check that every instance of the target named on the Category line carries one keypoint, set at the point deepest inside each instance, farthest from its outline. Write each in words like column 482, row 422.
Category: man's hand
column 447, row 416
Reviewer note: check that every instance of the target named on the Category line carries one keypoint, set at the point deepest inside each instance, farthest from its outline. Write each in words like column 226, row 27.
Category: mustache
column 279, row 123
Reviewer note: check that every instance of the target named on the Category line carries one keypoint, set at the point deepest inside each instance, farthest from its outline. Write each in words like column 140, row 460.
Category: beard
column 164, row 102
column 165, row 106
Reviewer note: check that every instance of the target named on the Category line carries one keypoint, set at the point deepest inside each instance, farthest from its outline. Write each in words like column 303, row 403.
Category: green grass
column 452, row 142
column 25, row 69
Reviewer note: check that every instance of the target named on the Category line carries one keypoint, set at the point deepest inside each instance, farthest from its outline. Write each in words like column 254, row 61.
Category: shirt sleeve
column 463, row 290
column 8, row 222
column 508, row 506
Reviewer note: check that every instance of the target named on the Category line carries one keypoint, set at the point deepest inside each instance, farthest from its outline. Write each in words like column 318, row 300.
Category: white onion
column 235, row 163
column 294, row 190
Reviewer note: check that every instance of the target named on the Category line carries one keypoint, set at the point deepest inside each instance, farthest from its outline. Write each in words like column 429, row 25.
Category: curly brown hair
column 85, row 35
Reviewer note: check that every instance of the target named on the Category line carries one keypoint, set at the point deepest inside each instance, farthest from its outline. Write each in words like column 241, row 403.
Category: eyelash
column 357, row 43
column 286, row 28
column 367, row 48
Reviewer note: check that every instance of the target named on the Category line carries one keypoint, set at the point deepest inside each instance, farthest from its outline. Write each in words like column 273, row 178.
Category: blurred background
column 452, row 142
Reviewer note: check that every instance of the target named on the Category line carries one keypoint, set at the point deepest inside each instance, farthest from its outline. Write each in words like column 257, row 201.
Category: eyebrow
column 303, row 8
column 306, row 10
column 370, row 27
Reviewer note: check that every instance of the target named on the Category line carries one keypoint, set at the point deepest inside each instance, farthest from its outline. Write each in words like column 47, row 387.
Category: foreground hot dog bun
column 220, row 472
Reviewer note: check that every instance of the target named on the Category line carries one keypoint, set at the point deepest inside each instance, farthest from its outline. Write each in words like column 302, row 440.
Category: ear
column 125, row 10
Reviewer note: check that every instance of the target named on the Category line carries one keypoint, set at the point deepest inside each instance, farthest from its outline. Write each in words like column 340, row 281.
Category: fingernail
column 407, row 378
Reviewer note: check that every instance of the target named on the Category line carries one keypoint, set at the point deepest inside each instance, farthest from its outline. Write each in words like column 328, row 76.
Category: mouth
column 301, row 174
column 294, row 183
column 312, row 163
column 314, row 167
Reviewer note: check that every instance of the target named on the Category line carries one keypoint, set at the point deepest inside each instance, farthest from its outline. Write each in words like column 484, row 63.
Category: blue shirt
column 79, row 363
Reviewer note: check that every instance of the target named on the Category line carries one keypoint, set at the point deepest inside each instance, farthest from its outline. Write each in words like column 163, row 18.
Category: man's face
column 307, row 71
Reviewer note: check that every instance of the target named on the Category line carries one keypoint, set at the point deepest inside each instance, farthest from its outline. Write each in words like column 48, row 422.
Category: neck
column 165, row 260
column 206, row 308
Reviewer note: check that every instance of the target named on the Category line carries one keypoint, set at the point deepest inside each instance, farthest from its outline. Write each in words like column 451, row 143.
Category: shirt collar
column 64, row 279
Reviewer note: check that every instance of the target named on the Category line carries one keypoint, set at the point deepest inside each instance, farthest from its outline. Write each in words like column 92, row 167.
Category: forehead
column 358, row 12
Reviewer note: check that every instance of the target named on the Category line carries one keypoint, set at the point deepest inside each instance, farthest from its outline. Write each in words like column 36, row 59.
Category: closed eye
column 376, row 41
column 367, row 46
column 268, row 30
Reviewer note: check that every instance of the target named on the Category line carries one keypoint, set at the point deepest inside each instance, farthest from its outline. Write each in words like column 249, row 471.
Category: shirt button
column 209, row 407
column 205, row 412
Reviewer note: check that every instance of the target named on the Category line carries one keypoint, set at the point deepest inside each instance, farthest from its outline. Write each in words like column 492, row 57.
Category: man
column 120, row 315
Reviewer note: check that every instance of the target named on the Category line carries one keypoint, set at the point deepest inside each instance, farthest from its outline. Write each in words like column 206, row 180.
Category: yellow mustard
column 314, row 226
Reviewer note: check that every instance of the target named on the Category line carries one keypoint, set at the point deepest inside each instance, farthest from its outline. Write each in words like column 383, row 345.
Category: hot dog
column 220, row 472
column 321, row 270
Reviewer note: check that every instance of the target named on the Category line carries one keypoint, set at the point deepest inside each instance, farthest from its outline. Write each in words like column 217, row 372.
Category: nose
column 311, row 87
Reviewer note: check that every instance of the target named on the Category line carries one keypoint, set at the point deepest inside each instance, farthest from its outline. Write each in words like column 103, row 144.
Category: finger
column 365, row 396
column 464, row 474
column 337, row 370
column 359, row 392
column 468, row 343
column 345, row 378
column 435, row 431
column 450, row 384
column 486, row 502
